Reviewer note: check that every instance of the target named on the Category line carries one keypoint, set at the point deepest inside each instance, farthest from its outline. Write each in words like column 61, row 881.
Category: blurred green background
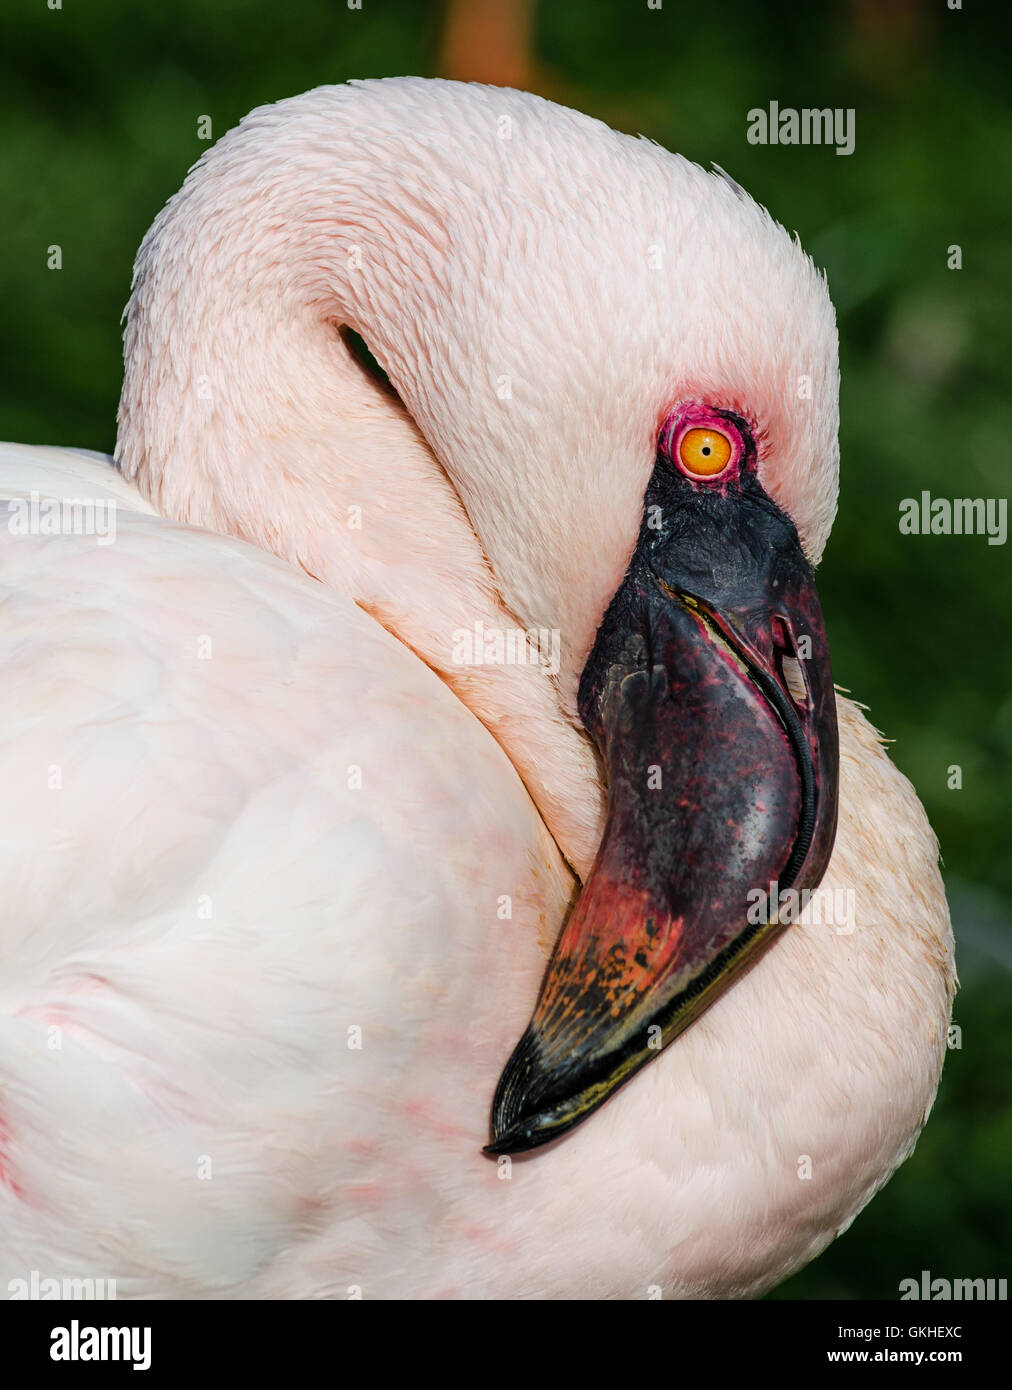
column 100, row 124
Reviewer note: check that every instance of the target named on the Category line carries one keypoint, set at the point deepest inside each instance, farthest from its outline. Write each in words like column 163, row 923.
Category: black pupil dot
column 706, row 448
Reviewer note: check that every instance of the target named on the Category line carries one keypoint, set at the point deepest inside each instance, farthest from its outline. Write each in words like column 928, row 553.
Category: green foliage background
column 99, row 125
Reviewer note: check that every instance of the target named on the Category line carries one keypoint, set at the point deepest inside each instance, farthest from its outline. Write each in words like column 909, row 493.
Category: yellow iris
column 704, row 451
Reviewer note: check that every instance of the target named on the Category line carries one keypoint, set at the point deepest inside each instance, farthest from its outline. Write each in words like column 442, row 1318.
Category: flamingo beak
column 710, row 697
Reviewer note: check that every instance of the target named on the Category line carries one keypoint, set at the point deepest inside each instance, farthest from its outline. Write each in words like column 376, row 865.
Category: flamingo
column 287, row 876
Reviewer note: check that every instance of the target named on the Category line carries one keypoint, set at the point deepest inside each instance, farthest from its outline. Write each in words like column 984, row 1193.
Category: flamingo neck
column 244, row 411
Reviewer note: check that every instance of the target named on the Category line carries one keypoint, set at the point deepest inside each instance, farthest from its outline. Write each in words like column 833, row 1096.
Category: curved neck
column 244, row 411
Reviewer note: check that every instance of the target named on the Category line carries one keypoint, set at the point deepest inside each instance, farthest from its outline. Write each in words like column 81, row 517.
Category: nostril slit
column 794, row 679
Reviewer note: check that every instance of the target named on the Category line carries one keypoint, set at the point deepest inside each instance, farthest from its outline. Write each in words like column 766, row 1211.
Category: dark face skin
column 720, row 781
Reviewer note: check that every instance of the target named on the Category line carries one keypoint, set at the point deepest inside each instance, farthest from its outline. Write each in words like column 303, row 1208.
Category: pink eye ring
column 703, row 443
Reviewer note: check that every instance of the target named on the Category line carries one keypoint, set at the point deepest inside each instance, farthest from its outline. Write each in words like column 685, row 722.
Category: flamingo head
column 657, row 484
column 709, row 695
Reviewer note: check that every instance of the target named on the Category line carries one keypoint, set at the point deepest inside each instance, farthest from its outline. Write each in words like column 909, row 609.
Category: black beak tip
column 536, row 1101
column 520, row 1119
column 529, row 1132
column 512, row 1142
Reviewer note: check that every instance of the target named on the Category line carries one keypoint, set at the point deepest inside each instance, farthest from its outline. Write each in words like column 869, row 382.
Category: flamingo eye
column 704, row 451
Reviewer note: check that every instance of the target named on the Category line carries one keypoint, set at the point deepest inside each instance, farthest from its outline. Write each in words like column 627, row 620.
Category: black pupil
column 706, row 448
